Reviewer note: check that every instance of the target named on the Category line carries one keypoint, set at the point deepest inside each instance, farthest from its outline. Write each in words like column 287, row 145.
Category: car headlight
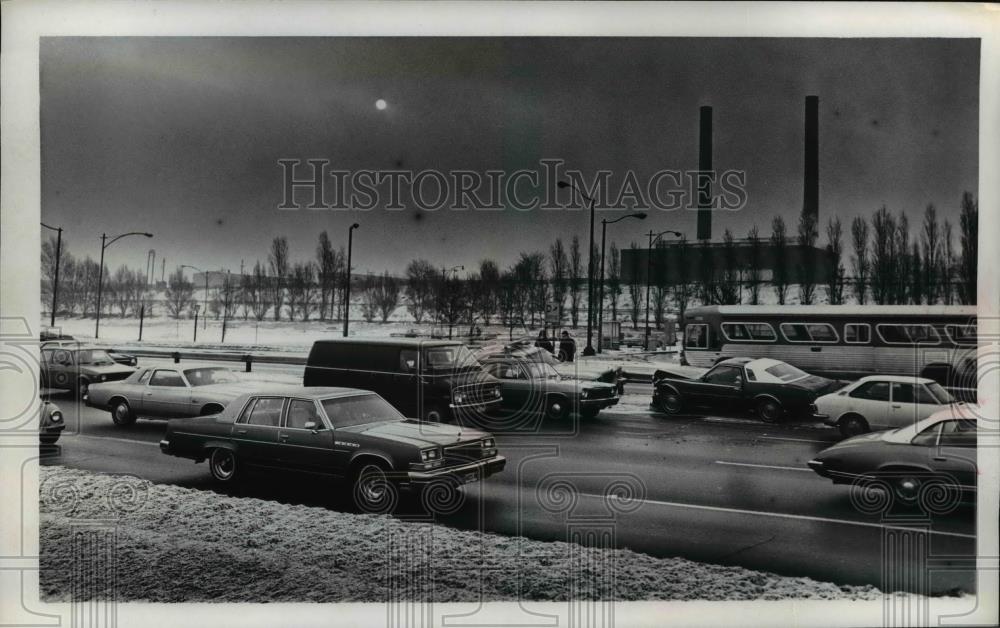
column 489, row 442
column 56, row 416
column 430, row 454
column 102, row 378
column 459, row 398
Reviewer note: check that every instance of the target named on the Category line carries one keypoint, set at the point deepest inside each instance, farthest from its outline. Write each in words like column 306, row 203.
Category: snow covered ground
column 183, row 545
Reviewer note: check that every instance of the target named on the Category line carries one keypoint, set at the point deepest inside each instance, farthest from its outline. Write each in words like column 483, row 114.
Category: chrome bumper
column 480, row 468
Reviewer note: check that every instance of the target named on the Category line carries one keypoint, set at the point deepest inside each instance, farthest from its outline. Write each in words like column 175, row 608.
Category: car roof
column 902, row 379
column 308, row 392
column 403, row 342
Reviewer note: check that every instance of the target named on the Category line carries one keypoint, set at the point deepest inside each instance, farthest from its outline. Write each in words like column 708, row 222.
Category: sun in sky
column 381, row 104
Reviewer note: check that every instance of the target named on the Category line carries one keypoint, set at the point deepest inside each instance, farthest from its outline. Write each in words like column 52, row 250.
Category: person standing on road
column 543, row 341
column 567, row 347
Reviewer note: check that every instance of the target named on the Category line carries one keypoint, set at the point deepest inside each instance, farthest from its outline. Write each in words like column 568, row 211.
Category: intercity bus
column 840, row 341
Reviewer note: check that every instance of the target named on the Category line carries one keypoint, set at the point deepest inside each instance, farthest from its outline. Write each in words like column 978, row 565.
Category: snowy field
column 184, row 545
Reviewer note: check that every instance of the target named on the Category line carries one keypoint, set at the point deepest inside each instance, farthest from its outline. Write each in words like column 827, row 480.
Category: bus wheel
column 769, row 410
column 852, row 425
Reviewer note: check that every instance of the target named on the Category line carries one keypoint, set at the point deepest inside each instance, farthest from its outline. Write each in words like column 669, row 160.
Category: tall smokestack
column 704, row 177
column 810, row 199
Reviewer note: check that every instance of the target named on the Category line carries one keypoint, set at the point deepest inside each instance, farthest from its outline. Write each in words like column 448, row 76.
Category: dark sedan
column 771, row 388
column 532, row 386
column 918, row 463
column 341, row 432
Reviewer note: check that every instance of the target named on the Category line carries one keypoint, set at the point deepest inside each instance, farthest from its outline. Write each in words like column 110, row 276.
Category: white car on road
column 880, row 402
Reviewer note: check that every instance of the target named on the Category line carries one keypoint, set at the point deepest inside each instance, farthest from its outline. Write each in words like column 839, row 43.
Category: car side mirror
column 311, row 425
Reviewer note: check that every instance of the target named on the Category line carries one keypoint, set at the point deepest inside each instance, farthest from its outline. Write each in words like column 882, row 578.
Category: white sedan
column 879, row 402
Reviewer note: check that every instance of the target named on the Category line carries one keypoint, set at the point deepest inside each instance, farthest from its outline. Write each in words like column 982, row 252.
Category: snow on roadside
column 176, row 544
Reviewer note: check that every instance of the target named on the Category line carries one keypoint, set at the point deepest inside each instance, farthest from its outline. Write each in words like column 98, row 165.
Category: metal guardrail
column 248, row 358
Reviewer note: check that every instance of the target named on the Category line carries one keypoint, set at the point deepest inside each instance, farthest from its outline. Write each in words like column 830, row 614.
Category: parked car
column 939, row 450
column 50, row 422
column 351, row 434
column 168, row 392
column 607, row 372
column 431, row 379
column 77, row 367
column 535, row 386
column 68, row 341
column 879, row 402
column 771, row 388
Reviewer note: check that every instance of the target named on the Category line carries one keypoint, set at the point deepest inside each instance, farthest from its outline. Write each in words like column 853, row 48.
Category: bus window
column 696, row 336
column 857, row 333
column 750, row 332
column 962, row 334
column 908, row 334
column 809, row 332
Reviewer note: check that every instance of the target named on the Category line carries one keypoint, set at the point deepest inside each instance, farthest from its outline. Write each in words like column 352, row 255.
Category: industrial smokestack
column 704, row 177
column 810, row 199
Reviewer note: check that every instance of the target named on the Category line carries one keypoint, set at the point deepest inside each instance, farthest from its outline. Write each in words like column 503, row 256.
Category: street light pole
column 600, row 284
column 649, row 283
column 347, row 287
column 55, row 282
column 100, row 273
column 589, row 349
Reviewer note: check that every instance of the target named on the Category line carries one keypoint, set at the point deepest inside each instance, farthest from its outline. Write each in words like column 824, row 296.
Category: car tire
column 770, row 411
column 435, row 414
column 48, row 439
column 852, row 425
column 372, row 489
column 906, row 485
column 121, row 413
column 671, row 402
column 223, row 465
column 556, row 408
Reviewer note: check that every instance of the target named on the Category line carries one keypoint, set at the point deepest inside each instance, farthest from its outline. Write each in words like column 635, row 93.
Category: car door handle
column 241, row 431
column 896, row 405
column 283, row 437
column 940, row 458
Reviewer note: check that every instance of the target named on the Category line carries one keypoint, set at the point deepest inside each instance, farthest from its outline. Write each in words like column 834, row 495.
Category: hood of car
column 417, row 433
column 861, row 440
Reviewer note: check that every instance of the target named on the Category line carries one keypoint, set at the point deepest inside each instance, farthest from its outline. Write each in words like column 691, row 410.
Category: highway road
column 720, row 489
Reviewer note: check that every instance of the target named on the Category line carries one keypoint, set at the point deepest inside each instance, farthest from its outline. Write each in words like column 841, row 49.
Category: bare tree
column 278, row 261
column 489, row 285
column 510, row 300
column 706, row 274
column 49, row 263
column 369, row 301
column 729, row 287
column 530, row 269
column 860, row 264
column 257, row 291
column 946, row 269
column 302, row 291
column 326, row 264
column 576, row 281
column 779, row 248
column 682, row 289
column 635, row 285
column 614, row 280
column 451, row 299
column 835, row 268
column 902, row 260
column 179, row 293
column 559, row 266
column 753, row 275
column 931, row 240
column 386, row 295
column 420, row 280
column 808, row 234
column 883, row 256
column 969, row 238
column 917, row 282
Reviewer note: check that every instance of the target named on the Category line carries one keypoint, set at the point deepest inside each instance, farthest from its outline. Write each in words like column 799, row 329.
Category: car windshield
column 450, row 357
column 942, row 395
column 359, row 410
column 213, row 375
column 785, row 372
column 542, row 370
column 94, row 356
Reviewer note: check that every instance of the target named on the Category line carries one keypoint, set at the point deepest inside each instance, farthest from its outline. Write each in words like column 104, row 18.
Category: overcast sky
column 182, row 136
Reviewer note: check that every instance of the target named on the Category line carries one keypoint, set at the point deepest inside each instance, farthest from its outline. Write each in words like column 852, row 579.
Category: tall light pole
column 653, row 238
column 600, row 284
column 55, row 282
column 204, row 312
column 347, row 287
column 105, row 243
column 589, row 349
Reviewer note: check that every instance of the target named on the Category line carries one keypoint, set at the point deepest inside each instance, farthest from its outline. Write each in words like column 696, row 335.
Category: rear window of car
column 875, row 391
column 785, row 372
column 166, row 378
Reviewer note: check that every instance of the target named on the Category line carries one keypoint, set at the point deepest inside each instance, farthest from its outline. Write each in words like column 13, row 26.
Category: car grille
column 465, row 452
column 600, row 393
column 477, row 393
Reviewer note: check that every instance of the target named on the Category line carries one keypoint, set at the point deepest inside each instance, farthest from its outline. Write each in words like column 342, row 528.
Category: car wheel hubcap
column 908, row 488
column 121, row 412
column 223, row 465
column 373, row 487
column 673, row 403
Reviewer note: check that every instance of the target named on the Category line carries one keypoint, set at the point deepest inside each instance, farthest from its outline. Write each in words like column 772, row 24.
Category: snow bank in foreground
column 176, row 544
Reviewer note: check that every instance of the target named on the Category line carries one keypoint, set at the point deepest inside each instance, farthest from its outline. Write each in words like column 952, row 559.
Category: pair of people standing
column 567, row 346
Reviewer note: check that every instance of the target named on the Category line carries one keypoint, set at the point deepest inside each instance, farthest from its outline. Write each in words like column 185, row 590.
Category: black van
column 432, row 379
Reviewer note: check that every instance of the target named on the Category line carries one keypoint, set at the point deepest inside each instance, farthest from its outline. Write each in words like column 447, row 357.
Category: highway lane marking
column 799, row 440
column 120, row 440
column 781, row 515
column 763, row 466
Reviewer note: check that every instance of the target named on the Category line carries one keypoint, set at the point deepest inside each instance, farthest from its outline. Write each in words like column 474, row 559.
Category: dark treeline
column 881, row 259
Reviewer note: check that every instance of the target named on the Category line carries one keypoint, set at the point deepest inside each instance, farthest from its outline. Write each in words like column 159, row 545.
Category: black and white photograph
column 417, row 315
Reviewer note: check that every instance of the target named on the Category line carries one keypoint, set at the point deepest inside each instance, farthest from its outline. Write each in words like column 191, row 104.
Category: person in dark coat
column 543, row 342
column 567, row 347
